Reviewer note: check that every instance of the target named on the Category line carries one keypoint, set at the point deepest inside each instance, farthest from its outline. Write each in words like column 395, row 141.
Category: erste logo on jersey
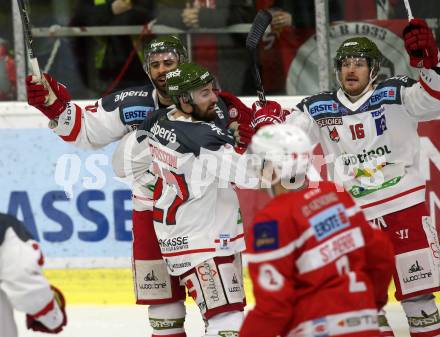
column 135, row 114
column 383, row 94
column 323, row 107
column 266, row 235
column 329, row 221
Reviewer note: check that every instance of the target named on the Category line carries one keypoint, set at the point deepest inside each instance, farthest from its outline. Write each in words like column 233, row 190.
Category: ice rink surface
column 130, row 321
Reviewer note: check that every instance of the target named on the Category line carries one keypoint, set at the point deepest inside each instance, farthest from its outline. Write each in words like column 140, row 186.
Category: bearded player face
column 159, row 65
column 205, row 101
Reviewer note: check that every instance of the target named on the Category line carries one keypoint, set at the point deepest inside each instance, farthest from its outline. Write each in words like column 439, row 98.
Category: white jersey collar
column 354, row 105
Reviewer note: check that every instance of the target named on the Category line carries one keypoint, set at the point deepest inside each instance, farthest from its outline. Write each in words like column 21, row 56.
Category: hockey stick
column 29, row 39
column 408, row 10
column 261, row 22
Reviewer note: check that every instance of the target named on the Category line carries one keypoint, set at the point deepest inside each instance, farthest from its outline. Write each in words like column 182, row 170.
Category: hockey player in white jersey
column 107, row 121
column 196, row 212
column 23, row 286
column 368, row 132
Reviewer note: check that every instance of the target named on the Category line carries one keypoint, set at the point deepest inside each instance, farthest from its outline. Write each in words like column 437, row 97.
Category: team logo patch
column 329, row 221
column 266, row 235
column 333, row 134
column 383, row 94
column 320, row 327
column 416, row 271
column 381, row 125
column 323, row 107
column 135, row 114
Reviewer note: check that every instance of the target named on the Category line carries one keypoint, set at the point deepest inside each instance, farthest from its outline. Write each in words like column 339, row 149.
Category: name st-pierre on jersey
column 371, row 146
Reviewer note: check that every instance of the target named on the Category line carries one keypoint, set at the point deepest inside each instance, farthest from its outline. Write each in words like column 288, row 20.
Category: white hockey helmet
column 287, row 147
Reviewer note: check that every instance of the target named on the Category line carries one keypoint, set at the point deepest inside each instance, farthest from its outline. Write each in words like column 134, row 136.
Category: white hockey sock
column 225, row 324
column 422, row 314
column 167, row 319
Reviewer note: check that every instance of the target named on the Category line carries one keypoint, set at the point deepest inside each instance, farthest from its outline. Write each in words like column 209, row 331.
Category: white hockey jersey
column 196, row 213
column 23, row 286
column 371, row 146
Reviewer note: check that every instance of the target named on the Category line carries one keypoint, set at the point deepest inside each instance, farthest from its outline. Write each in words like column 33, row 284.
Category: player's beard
column 206, row 116
column 160, row 85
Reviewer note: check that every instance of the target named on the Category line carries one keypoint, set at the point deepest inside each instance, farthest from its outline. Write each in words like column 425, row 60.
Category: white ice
column 131, row 321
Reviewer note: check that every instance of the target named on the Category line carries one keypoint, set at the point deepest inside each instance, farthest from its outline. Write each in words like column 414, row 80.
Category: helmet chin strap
column 354, row 98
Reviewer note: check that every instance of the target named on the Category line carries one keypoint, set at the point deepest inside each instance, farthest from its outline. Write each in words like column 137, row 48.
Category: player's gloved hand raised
column 420, row 44
column 240, row 117
column 53, row 319
column 270, row 113
column 47, row 95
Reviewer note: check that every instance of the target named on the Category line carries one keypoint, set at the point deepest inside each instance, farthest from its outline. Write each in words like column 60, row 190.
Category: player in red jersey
column 317, row 266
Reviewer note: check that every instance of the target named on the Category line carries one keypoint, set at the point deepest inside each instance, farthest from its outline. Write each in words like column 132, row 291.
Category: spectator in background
column 223, row 54
column 8, row 76
column 293, row 22
column 7, row 65
column 106, row 56
column 428, row 9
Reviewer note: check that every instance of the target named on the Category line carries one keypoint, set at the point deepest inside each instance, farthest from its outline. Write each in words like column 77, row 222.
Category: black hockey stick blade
column 261, row 22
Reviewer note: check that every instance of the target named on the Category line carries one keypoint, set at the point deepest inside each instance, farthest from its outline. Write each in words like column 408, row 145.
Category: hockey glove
column 48, row 96
column 268, row 114
column 420, row 44
column 35, row 322
column 240, row 117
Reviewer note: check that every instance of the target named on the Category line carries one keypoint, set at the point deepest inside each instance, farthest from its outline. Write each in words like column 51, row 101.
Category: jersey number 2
column 178, row 180
column 343, row 266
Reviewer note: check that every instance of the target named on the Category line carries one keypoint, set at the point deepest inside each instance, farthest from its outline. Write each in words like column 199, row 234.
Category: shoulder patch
column 400, row 80
column 384, row 94
column 329, row 221
column 135, row 114
column 266, row 235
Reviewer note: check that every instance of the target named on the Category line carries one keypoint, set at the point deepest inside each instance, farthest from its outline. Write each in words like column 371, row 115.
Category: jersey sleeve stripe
column 280, row 252
column 239, row 236
column 191, row 251
column 76, row 127
column 382, row 201
column 49, row 307
column 429, row 90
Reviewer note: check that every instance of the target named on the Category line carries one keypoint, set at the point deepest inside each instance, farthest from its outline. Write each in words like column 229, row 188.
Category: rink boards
column 86, row 233
column 114, row 286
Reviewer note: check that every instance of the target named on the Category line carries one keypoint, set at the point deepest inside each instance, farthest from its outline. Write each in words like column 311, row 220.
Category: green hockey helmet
column 163, row 44
column 186, row 78
column 359, row 47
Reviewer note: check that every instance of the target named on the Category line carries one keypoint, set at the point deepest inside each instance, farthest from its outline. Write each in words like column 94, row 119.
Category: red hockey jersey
column 317, row 266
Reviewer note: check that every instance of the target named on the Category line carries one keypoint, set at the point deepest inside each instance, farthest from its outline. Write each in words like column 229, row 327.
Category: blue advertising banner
column 68, row 198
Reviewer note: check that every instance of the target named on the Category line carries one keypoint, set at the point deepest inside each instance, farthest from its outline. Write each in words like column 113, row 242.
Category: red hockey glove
column 238, row 111
column 240, row 117
column 270, row 113
column 48, row 96
column 34, row 324
column 420, row 44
